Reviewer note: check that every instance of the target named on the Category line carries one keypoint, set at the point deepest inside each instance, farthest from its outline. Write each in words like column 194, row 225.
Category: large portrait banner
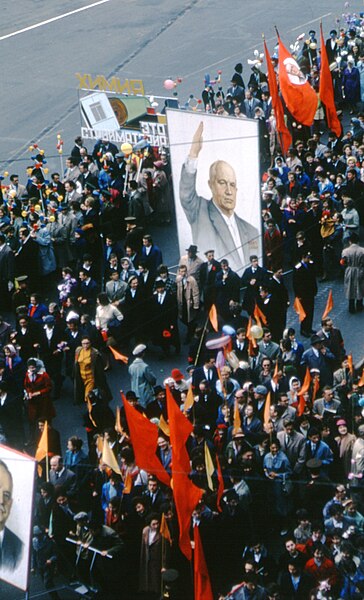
column 216, row 182
column 16, row 505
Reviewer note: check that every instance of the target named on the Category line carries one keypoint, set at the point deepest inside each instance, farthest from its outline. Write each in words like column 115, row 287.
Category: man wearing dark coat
column 305, row 289
column 11, row 546
column 208, row 272
column 165, row 323
column 253, row 277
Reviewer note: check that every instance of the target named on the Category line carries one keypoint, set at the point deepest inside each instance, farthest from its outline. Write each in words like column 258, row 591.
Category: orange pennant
column 299, row 309
column 128, row 483
column 329, row 305
column 361, row 380
column 213, row 317
column 259, row 316
column 306, row 382
column 267, row 409
column 118, row 356
column 190, row 399
column 275, row 374
column 237, row 419
column 164, row 530
column 350, row 364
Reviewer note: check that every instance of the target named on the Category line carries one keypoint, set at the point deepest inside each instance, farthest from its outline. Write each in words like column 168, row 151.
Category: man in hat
column 319, row 357
column 158, row 407
column 260, row 396
column 305, row 289
column 215, row 221
column 236, row 90
column 52, row 354
column 188, row 300
column 142, row 377
column 207, row 273
column 192, row 262
column 21, row 295
column 134, row 234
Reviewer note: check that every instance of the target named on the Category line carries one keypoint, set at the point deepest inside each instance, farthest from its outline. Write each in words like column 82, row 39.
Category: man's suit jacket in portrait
column 209, row 228
column 11, row 551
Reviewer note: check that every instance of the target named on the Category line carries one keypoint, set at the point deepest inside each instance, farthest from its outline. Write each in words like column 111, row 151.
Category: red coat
column 326, row 570
column 41, row 405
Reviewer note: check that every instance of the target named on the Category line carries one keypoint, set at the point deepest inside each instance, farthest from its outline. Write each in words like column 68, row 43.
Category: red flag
column 213, row 317
column 144, row 438
column 301, row 405
column 221, row 486
column 329, row 305
column 259, row 315
column 299, row 309
column 301, row 100
column 186, row 494
column 202, row 584
column 285, row 138
column 326, row 90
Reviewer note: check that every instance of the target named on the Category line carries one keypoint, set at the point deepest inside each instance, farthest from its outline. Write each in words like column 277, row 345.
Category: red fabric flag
column 284, row 136
column 202, row 584
column 221, row 486
column 301, row 100
column 301, row 405
column 213, row 317
column 186, row 494
column 329, row 305
column 299, row 309
column 144, row 437
column 326, row 90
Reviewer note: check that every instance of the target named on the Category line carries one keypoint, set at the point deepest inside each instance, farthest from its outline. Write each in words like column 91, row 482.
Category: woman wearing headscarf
column 38, row 388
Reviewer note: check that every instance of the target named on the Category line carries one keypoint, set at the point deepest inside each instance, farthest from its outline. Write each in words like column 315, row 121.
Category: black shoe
column 305, row 334
column 359, row 306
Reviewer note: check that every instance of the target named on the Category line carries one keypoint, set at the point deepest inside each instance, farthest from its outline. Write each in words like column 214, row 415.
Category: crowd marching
column 247, row 465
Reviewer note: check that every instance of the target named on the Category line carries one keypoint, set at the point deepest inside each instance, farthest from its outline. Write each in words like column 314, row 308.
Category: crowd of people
column 278, row 411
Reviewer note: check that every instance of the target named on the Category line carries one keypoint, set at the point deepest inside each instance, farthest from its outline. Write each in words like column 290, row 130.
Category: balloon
column 45, row 171
column 219, row 342
column 126, row 148
column 169, row 84
column 37, row 207
column 6, row 173
column 256, row 332
column 52, row 219
column 228, row 330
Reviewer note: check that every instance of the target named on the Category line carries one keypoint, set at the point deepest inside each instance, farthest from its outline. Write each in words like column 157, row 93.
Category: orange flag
column 118, row 356
column 128, row 483
column 275, row 373
column 315, row 388
column 248, row 328
column 329, row 305
column 164, row 530
column 42, row 449
column 267, row 409
column 326, row 90
column 259, row 316
column 284, row 136
column 190, row 399
column 144, row 438
column 163, row 426
column 299, row 309
column 202, row 584
column 350, row 364
column 237, row 419
column 186, row 495
column 361, row 380
column 300, row 98
column 306, row 382
column 301, row 405
column 213, row 317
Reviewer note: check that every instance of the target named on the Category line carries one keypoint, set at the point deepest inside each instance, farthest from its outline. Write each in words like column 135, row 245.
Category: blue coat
column 322, row 362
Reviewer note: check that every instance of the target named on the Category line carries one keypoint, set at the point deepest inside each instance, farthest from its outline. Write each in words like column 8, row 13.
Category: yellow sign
column 128, row 86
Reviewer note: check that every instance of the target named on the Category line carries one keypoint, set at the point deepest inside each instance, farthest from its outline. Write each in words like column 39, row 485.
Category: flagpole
column 47, row 458
column 201, row 340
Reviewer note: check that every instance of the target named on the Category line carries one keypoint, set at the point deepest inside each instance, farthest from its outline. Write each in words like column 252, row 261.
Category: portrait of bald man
column 214, row 222
column 11, row 547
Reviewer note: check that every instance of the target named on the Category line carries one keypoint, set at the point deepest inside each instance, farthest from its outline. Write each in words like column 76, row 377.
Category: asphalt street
column 149, row 40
